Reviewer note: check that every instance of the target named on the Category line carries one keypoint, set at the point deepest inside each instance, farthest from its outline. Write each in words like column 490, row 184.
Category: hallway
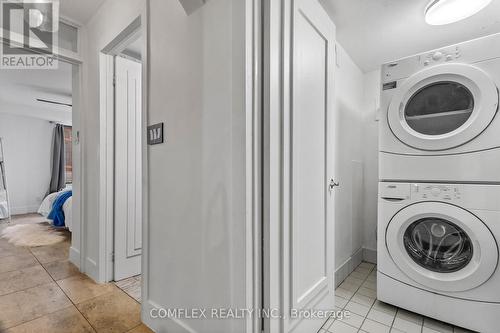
column 41, row 291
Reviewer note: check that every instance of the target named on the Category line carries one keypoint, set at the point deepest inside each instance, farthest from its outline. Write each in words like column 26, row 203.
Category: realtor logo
column 30, row 33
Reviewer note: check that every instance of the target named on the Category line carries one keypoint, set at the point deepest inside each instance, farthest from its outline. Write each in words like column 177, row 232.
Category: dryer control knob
column 437, row 56
column 436, row 191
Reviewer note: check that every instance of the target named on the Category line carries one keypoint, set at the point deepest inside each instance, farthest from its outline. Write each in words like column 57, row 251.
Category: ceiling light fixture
column 441, row 12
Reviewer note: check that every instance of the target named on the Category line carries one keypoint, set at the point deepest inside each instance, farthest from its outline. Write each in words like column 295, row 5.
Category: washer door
column 443, row 107
column 442, row 247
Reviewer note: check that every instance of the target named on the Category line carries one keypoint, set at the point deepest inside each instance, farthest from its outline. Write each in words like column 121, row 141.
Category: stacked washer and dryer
column 439, row 190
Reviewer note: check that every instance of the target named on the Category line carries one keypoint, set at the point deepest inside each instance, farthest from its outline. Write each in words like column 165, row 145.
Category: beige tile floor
column 131, row 286
column 42, row 292
column 358, row 295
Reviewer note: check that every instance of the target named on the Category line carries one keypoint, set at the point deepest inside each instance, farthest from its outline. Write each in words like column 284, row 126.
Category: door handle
column 332, row 184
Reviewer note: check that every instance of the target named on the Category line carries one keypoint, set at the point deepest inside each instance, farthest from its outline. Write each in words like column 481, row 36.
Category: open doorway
column 122, row 89
column 38, row 145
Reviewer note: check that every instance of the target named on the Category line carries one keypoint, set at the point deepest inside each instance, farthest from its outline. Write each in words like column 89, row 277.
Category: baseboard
column 370, row 255
column 23, row 210
column 165, row 324
column 348, row 266
column 363, row 254
column 91, row 269
column 74, row 257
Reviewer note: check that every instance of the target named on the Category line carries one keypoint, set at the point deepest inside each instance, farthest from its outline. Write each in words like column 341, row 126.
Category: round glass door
column 439, row 108
column 441, row 246
column 438, row 245
column 443, row 107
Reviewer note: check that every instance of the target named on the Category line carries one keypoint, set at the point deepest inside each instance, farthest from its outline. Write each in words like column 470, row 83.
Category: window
column 439, row 108
column 68, row 37
column 68, row 148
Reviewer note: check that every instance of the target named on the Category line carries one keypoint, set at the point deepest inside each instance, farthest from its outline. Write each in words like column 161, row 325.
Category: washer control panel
column 439, row 192
column 445, row 55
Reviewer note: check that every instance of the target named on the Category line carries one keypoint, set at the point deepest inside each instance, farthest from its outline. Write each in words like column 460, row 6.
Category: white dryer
column 438, row 251
column 439, row 115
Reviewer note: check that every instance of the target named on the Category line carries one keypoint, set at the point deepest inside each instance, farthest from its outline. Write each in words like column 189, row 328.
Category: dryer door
column 441, row 246
column 443, row 107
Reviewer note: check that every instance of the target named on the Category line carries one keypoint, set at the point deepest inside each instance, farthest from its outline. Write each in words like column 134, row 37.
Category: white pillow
column 47, row 203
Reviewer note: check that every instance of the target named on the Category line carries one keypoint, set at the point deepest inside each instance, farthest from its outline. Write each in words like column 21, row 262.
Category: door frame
column 76, row 254
column 107, row 133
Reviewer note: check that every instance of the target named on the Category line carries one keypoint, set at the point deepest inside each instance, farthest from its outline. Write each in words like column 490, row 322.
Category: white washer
column 438, row 251
column 439, row 115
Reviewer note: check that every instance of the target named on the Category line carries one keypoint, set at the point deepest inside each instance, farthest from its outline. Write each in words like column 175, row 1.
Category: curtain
column 58, row 177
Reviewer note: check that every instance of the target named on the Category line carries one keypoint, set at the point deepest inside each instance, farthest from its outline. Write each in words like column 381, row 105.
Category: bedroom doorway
column 40, row 185
column 122, row 116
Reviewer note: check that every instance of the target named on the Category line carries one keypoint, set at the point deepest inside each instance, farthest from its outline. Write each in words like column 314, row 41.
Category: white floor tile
column 357, row 308
column 367, row 292
column 407, row 326
column 358, row 275
column 410, row 316
column 328, row 323
column 349, row 286
column 355, row 281
column 370, row 285
column 362, row 299
column 366, row 265
column 340, row 302
column 340, row 327
column 438, row 326
column 384, row 307
column 353, row 320
column 381, row 317
column 371, row 326
column 344, row 293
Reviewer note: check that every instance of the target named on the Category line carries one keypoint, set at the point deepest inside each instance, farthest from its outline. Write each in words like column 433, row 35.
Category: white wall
column 111, row 18
column 370, row 157
column 197, row 178
column 27, row 147
column 349, row 91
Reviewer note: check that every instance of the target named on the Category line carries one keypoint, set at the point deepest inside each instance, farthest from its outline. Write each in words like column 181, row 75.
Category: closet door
column 128, row 169
column 309, row 167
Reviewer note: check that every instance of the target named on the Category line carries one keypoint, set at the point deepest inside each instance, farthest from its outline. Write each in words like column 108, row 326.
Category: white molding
column 253, row 105
column 75, row 257
column 92, row 269
column 106, row 165
column 343, row 271
column 21, row 210
column 107, row 132
column 370, row 255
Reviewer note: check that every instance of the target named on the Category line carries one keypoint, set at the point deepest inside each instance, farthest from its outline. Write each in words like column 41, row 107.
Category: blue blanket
column 57, row 213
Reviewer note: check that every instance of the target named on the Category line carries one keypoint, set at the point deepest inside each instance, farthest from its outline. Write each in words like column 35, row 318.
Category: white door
column 309, row 256
column 128, row 169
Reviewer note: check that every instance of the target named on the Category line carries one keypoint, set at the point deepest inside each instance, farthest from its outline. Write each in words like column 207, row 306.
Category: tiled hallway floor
column 131, row 286
column 358, row 294
column 42, row 292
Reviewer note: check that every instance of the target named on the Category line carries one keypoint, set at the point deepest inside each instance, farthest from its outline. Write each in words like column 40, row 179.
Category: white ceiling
column 374, row 32
column 20, row 89
column 79, row 10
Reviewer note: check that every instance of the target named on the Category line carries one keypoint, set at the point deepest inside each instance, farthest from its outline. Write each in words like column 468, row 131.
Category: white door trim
column 76, row 254
column 106, row 131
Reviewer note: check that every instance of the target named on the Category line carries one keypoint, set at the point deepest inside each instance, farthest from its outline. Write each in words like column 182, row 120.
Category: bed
column 48, row 202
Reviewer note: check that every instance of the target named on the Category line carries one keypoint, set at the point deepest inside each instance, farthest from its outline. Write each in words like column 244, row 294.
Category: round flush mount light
column 441, row 12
